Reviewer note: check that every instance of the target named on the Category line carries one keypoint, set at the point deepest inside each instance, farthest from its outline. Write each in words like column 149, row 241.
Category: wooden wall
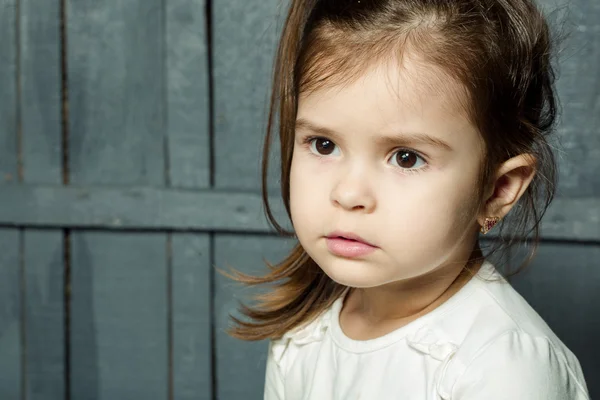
column 130, row 136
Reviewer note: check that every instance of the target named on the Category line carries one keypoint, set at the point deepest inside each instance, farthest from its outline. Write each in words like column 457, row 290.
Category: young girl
column 406, row 127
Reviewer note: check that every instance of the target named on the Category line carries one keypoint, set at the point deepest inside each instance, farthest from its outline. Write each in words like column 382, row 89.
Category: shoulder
column 282, row 351
column 516, row 365
column 505, row 347
column 492, row 308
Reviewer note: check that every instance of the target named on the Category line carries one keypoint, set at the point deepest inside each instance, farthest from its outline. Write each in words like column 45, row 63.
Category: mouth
column 350, row 237
column 348, row 245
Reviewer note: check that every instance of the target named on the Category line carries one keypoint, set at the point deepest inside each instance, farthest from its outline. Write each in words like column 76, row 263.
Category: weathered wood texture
column 116, row 92
column 245, row 35
column 41, row 136
column 44, row 314
column 138, row 115
column 119, row 316
column 31, row 137
column 188, row 166
column 11, row 295
column 8, row 93
column 40, row 80
column 191, row 317
column 119, row 304
column 11, row 306
column 240, row 366
column 579, row 89
column 187, row 94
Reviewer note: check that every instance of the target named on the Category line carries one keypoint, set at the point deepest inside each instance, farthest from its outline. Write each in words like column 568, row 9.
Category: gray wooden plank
column 10, row 315
column 40, row 73
column 579, row 90
column 118, row 316
column 245, row 36
column 240, row 362
column 44, row 315
column 11, row 350
column 562, row 285
column 8, row 93
column 140, row 207
column 191, row 291
column 116, row 91
column 40, row 108
column 187, row 94
column 119, row 306
column 155, row 208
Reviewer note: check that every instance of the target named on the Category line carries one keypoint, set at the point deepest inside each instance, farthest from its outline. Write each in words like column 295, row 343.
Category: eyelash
column 307, row 142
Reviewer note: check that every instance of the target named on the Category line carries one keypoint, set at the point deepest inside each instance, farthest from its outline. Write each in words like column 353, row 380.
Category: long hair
column 499, row 50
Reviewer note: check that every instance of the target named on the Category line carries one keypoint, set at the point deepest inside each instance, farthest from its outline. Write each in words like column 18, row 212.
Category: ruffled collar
column 418, row 333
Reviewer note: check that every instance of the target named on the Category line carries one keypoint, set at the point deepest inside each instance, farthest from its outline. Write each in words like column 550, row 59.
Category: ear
column 511, row 181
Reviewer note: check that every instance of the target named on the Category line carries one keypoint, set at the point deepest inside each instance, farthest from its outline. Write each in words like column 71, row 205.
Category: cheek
column 304, row 189
column 436, row 205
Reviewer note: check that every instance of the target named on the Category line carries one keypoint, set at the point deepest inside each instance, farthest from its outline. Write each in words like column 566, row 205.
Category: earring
column 489, row 224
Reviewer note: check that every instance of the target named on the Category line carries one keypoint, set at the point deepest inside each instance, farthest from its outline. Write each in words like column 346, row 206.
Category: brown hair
column 500, row 50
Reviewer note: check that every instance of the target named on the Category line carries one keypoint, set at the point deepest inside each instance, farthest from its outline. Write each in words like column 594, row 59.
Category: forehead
column 391, row 96
column 404, row 84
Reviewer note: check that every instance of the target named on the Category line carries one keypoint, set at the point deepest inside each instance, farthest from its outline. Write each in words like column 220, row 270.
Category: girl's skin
column 418, row 206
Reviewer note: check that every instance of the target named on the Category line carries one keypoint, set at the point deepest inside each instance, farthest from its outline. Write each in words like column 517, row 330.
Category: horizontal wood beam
column 146, row 208
column 139, row 208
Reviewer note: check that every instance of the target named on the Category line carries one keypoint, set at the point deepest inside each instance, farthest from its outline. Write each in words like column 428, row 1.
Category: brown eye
column 407, row 160
column 323, row 146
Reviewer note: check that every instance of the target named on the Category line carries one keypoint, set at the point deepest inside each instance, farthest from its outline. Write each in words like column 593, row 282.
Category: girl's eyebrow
column 306, row 125
column 408, row 138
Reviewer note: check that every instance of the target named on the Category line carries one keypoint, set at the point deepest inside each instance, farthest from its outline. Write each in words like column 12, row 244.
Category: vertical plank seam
column 167, row 182
column 20, row 178
column 211, row 169
column 64, row 95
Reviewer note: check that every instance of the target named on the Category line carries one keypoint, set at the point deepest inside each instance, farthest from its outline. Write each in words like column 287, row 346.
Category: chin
column 352, row 273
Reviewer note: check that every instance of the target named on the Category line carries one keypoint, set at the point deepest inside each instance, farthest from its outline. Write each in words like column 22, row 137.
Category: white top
column 485, row 342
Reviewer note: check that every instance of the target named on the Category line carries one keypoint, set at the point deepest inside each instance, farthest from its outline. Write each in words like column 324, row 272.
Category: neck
column 407, row 300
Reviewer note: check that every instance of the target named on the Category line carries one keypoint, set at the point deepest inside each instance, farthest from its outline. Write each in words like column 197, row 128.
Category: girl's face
column 392, row 160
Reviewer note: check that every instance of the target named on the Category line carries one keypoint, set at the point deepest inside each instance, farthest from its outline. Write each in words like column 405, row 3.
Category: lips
column 348, row 245
column 348, row 236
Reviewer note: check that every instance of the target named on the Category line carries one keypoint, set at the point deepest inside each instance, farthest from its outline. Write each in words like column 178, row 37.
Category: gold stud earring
column 489, row 224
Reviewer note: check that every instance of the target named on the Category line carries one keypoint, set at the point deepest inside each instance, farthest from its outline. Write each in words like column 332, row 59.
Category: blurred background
column 130, row 137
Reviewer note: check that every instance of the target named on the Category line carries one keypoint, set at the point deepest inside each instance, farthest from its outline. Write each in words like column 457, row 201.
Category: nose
column 353, row 192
